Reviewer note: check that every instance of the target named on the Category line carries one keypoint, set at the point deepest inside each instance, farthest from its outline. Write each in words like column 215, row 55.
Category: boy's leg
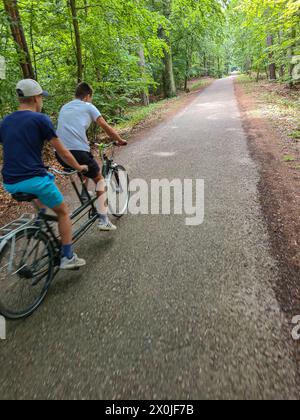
column 84, row 196
column 69, row 259
column 101, row 191
column 64, row 224
column 51, row 197
column 94, row 173
column 42, row 210
column 40, row 205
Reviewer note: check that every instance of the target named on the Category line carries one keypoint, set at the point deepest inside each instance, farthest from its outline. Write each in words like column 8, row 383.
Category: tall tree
column 272, row 64
column 255, row 21
column 72, row 4
column 292, row 51
column 124, row 48
column 168, row 73
column 12, row 10
column 142, row 64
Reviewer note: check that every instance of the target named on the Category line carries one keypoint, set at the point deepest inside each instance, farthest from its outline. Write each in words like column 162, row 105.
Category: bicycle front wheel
column 119, row 191
column 26, row 272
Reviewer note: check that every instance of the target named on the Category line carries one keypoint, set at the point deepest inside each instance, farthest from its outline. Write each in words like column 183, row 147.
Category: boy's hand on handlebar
column 84, row 169
column 121, row 143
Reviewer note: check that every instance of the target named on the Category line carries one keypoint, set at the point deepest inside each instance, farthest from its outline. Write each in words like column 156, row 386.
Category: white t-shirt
column 74, row 120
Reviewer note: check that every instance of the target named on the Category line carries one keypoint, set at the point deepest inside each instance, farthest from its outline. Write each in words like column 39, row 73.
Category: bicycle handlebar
column 107, row 146
column 63, row 173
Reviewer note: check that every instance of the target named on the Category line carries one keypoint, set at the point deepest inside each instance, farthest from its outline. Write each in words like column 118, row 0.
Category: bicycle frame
column 85, row 208
column 80, row 211
column 93, row 217
column 90, row 205
column 107, row 163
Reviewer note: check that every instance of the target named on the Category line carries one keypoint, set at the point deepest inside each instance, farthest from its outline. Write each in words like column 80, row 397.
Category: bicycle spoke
column 12, row 253
column 26, row 270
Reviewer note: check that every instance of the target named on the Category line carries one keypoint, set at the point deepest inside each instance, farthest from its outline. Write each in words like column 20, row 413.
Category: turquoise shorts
column 43, row 187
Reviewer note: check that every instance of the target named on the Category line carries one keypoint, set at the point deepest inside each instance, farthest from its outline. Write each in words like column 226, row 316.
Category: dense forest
column 265, row 36
column 135, row 51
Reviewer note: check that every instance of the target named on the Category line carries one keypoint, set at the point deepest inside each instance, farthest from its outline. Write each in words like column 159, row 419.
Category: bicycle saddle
column 23, row 197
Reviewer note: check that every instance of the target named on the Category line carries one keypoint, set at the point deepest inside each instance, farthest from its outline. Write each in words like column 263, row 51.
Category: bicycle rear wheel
column 119, row 188
column 26, row 272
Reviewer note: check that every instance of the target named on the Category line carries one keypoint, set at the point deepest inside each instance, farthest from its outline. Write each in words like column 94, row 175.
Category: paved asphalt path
column 164, row 310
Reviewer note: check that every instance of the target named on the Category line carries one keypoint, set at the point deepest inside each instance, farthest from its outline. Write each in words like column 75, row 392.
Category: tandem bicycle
column 30, row 247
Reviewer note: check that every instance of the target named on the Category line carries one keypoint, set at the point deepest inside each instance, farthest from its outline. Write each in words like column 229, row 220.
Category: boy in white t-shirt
column 74, row 120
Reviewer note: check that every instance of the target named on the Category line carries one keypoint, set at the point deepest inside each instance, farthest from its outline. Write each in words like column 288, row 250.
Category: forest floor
column 271, row 117
column 138, row 118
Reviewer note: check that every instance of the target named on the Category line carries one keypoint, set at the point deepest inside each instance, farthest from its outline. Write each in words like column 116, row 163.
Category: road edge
column 278, row 208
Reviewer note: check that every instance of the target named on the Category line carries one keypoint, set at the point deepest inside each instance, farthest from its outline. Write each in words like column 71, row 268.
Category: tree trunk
column 168, row 76
column 72, row 4
column 186, row 84
column 282, row 71
column 86, row 8
column 12, row 10
column 272, row 66
column 219, row 68
column 205, row 65
column 186, row 77
column 257, row 75
column 32, row 41
column 142, row 64
column 267, row 72
column 291, row 56
column 169, row 85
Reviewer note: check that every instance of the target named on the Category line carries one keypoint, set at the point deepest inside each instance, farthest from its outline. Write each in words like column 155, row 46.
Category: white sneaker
column 107, row 226
column 72, row 264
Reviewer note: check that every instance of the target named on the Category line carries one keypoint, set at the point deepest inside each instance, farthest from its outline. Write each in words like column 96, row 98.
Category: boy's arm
column 67, row 156
column 110, row 131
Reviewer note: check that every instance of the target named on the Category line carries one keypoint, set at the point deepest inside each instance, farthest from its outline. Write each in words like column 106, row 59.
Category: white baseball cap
column 28, row 88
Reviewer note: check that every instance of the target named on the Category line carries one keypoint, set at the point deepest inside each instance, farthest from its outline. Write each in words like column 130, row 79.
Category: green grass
column 272, row 97
column 295, row 135
column 138, row 114
column 289, row 158
column 276, row 102
column 199, row 84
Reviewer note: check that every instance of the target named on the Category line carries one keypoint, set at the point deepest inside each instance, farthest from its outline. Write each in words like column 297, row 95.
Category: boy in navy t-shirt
column 23, row 135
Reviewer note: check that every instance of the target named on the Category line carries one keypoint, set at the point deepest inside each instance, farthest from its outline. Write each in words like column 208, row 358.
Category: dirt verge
column 279, row 190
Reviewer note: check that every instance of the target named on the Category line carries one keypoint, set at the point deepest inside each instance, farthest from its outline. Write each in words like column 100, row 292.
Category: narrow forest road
column 164, row 310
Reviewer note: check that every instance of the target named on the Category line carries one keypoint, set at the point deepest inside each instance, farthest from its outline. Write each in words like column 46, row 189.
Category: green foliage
column 252, row 22
column 289, row 158
column 112, row 32
column 295, row 135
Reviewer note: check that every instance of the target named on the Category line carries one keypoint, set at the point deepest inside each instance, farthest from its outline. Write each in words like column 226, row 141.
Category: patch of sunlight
column 164, row 154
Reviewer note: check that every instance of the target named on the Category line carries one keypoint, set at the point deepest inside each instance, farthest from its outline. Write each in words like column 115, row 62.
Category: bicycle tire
column 31, row 272
column 116, row 178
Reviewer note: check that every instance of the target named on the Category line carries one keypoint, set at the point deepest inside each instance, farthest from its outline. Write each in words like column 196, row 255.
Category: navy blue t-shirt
column 23, row 135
